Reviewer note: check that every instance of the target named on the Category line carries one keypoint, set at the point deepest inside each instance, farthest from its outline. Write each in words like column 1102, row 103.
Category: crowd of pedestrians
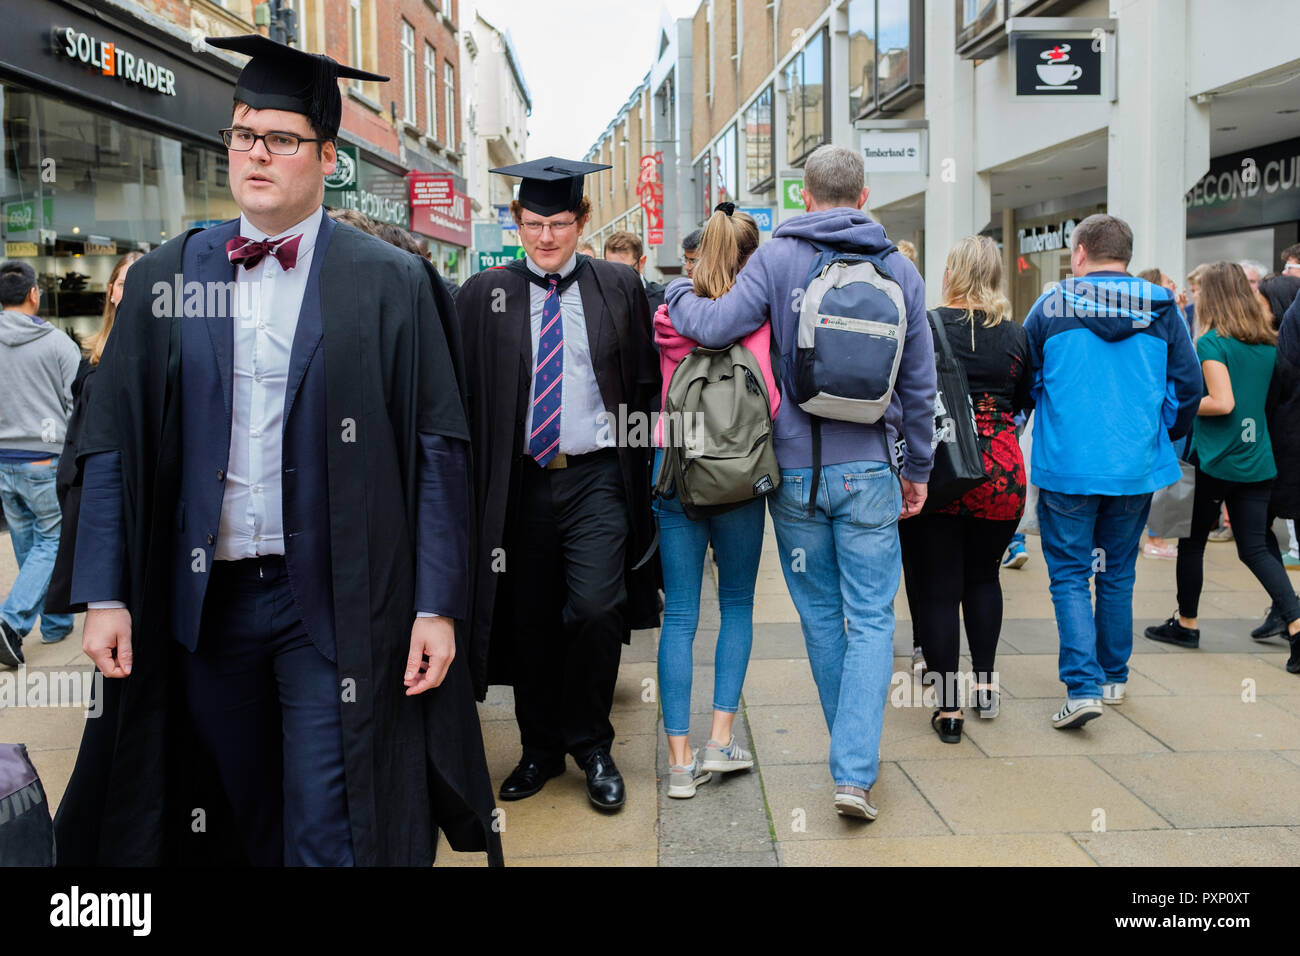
column 500, row 526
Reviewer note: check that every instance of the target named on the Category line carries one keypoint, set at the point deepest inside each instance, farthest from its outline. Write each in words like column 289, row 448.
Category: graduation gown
column 391, row 369
column 494, row 313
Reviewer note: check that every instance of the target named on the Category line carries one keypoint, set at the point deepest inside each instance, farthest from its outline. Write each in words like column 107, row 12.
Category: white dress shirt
column 268, row 301
column 581, row 405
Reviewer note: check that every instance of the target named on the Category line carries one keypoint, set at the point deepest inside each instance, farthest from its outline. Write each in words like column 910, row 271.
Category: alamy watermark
column 31, row 687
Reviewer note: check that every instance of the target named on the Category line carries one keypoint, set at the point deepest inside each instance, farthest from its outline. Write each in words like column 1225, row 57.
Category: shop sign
column 1057, row 66
column 1045, row 238
column 100, row 246
column 893, row 151
column 490, row 260
column 14, row 250
column 432, row 189
column 344, row 177
column 650, row 192
column 1254, row 187
column 110, row 60
column 446, row 225
column 790, row 193
column 505, row 219
column 378, row 194
column 761, row 215
column 20, row 217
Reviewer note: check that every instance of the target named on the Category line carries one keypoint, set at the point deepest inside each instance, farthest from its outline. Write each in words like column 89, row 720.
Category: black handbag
column 26, row 831
column 958, row 462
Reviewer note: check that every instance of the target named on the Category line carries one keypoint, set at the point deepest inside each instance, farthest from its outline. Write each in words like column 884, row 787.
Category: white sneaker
column 726, row 759
column 1076, row 713
column 682, row 781
column 854, row 802
column 1112, row 694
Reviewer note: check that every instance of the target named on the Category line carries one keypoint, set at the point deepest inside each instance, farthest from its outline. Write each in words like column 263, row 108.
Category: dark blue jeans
column 1083, row 536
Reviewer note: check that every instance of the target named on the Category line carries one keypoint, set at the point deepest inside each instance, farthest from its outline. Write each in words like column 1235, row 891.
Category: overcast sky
column 581, row 60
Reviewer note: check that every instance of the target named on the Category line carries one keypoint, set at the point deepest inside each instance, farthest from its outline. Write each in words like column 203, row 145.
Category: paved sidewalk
column 1195, row 769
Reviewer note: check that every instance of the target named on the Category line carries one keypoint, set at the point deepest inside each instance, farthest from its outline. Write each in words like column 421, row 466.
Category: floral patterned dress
column 999, row 373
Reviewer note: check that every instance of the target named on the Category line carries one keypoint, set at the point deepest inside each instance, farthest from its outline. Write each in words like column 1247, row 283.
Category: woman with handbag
column 1232, row 451
column 730, row 237
column 952, row 551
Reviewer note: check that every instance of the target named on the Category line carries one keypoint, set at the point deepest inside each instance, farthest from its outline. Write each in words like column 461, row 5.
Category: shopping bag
column 958, row 463
column 1171, row 507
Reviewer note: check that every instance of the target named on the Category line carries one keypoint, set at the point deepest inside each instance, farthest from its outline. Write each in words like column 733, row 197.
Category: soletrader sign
column 111, row 61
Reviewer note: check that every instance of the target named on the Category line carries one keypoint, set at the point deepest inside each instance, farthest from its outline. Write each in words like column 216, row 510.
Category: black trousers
column 265, row 702
column 951, row 561
column 565, row 565
column 1248, row 512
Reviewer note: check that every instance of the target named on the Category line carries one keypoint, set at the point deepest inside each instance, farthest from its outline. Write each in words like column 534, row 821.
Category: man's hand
column 913, row 497
column 434, row 638
column 106, row 639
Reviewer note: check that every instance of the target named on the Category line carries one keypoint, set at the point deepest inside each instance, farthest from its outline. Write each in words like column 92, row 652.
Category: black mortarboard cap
column 551, row 185
column 278, row 77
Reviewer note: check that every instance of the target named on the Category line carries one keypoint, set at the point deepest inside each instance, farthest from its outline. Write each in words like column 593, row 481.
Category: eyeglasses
column 533, row 228
column 280, row 144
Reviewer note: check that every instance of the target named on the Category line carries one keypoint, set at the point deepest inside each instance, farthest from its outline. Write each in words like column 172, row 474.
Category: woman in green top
column 1237, row 347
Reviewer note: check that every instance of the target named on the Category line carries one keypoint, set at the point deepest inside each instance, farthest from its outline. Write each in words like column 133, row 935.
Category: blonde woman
column 952, row 554
column 730, row 237
column 1237, row 346
column 58, row 599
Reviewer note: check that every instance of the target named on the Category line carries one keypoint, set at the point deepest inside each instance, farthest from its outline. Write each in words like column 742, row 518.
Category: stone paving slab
column 1203, row 674
column 801, row 800
column 1023, row 728
column 1014, row 849
column 1218, row 848
column 1206, row 789
column 1048, row 794
column 1214, row 723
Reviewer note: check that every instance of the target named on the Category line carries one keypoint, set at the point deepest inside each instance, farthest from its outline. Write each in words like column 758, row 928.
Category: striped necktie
column 544, row 442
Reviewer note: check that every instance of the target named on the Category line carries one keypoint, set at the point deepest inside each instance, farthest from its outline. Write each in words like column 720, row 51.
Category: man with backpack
column 848, row 315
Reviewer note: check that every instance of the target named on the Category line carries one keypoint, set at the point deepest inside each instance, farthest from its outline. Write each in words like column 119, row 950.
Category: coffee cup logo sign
column 1056, row 71
column 110, row 60
column 1057, row 66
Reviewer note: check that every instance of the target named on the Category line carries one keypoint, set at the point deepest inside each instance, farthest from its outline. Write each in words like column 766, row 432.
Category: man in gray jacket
column 841, row 561
column 37, row 366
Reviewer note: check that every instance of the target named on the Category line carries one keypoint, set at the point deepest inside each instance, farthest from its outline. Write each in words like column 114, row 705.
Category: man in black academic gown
column 275, row 531
column 558, row 358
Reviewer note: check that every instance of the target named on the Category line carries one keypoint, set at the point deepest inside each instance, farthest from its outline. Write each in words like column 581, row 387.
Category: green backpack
column 717, row 430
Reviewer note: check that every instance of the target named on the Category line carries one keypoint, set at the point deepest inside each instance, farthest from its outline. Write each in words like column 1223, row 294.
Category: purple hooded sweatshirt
column 770, row 287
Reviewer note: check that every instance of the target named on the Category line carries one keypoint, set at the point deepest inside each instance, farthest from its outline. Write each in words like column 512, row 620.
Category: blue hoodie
column 770, row 286
column 1117, row 382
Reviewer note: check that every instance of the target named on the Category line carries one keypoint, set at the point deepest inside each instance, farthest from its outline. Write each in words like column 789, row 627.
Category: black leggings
column 1248, row 512
column 951, row 561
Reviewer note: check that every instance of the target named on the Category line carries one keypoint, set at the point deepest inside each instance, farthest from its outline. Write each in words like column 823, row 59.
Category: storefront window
column 759, row 155
column 806, row 115
column 78, row 189
column 886, row 69
column 725, row 172
column 704, row 186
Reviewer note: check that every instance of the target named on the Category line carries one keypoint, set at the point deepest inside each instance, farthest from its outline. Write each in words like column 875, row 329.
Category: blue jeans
column 737, row 537
column 842, row 567
column 32, row 510
column 1083, row 534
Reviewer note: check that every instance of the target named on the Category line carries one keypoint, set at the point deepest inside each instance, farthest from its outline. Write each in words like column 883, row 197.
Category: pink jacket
column 673, row 347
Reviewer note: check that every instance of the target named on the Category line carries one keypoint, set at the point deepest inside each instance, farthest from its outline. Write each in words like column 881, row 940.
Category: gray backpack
column 717, row 419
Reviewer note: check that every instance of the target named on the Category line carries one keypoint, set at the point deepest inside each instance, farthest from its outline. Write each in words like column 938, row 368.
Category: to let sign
column 434, row 190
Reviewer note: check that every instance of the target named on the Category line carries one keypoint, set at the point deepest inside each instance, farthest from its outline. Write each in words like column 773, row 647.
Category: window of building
column 449, row 107
column 431, row 91
column 408, row 72
column 355, row 45
column 886, row 54
column 760, row 155
column 703, row 187
column 737, row 30
column 725, row 173
column 807, row 119
column 708, row 46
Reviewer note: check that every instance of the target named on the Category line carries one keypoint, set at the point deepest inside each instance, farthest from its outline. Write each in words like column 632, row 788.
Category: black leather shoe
column 1272, row 627
column 604, row 782
column 528, row 778
column 1293, row 662
column 948, row 728
column 1171, row 632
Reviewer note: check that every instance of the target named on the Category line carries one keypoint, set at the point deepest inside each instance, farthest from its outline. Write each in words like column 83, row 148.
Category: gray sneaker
column 728, row 758
column 682, row 781
column 854, row 802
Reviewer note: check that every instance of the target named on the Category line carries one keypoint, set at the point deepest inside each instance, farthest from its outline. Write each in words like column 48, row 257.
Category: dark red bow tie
column 249, row 252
